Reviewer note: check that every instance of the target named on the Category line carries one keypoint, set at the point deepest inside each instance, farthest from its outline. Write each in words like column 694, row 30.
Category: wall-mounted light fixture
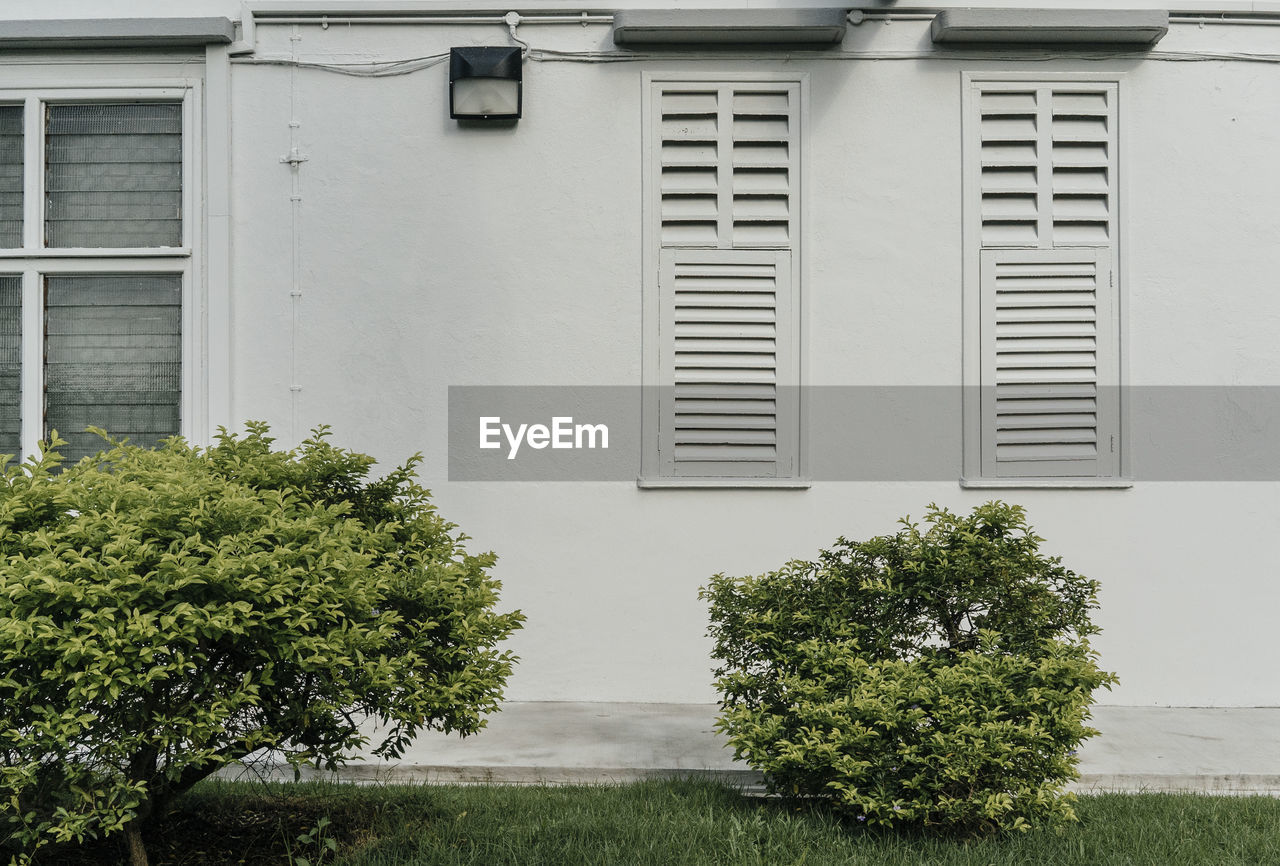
column 484, row 83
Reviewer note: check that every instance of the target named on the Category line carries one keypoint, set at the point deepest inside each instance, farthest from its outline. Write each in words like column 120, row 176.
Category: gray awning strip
column 1139, row 27
column 116, row 33
column 761, row 28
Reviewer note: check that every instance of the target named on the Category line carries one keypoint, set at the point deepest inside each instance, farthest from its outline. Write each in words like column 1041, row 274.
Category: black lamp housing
column 485, row 83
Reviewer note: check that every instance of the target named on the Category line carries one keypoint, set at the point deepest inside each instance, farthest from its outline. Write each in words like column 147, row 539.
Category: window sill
column 723, row 483
column 93, row 252
column 1047, row 483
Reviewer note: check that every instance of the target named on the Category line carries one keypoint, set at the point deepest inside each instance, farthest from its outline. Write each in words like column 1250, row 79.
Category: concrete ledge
column 749, row 782
column 1154, row 783
column 1139, row 749
column 412, row 774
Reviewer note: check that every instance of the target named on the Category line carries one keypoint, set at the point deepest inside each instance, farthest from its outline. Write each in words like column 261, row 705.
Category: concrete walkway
column 1139, row 749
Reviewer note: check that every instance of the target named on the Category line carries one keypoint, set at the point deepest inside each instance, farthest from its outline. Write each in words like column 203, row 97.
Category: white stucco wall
column 431, row 255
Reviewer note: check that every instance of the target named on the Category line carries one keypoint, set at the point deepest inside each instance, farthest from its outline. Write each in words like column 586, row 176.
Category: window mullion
column 33, row 174
column 32, row 359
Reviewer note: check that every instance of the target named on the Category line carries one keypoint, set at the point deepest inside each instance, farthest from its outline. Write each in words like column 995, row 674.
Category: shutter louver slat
column 1046, row 363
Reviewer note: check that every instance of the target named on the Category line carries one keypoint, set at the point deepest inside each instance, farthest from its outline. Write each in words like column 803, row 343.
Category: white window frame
column 34, row 261
column 971, row 232
column 651, row 465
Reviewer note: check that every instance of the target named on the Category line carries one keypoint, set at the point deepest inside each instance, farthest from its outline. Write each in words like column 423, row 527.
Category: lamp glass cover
column 476, row 97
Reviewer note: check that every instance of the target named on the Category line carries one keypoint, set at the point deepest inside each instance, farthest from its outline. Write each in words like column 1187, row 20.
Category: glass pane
column 113, row 358
column 11, row 365
column 113, row 175
column 10, row 176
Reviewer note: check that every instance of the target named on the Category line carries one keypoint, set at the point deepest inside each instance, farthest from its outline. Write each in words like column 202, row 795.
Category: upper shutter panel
column 727, row 164
column 113, row 175
column 728, row 367
column 1048, row 360
column 1047, row 165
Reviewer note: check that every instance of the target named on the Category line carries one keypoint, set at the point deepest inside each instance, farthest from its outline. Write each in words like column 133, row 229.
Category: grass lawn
column 666, row 823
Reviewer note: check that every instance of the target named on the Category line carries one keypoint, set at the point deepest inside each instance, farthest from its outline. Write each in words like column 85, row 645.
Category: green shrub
column 165, row 612
column 936, row 678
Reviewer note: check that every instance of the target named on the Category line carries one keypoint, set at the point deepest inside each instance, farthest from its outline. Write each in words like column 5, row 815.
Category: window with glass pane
column 113, row 358
column 11, row 365
column 10, row 176
column 113, row 175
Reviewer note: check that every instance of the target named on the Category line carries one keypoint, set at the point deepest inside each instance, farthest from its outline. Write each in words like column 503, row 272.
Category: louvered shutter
column 1049, row 407
column 1049, row 314
column 727, row 170
column 728, row 405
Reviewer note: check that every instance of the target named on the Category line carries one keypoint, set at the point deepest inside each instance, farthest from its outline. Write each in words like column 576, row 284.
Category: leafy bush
column 937, row 678
column 165, row 612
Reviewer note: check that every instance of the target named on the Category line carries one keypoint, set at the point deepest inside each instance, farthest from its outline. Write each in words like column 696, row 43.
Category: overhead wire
column 358, row 69
column 406, row 66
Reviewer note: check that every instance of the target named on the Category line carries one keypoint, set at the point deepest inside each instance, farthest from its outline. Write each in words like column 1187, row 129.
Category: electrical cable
column 512, row 19
column 366, row 69
column 387, row 68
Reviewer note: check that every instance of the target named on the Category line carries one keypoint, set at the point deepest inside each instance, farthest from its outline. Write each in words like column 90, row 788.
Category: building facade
column 810, row 269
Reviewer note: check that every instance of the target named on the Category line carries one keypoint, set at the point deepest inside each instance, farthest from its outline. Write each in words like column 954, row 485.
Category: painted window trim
column 972, row 476
column 651, row 476
column 34, row 261
column 1038, row 483
column 710, row 483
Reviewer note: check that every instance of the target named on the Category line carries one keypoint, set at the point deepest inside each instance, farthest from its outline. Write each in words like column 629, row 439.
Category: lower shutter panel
column 728, row 396
column 113, row 358
column 1050, row 395
column 11, row 366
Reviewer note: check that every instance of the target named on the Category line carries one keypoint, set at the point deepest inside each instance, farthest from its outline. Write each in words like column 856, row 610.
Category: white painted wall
column 431, row 256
